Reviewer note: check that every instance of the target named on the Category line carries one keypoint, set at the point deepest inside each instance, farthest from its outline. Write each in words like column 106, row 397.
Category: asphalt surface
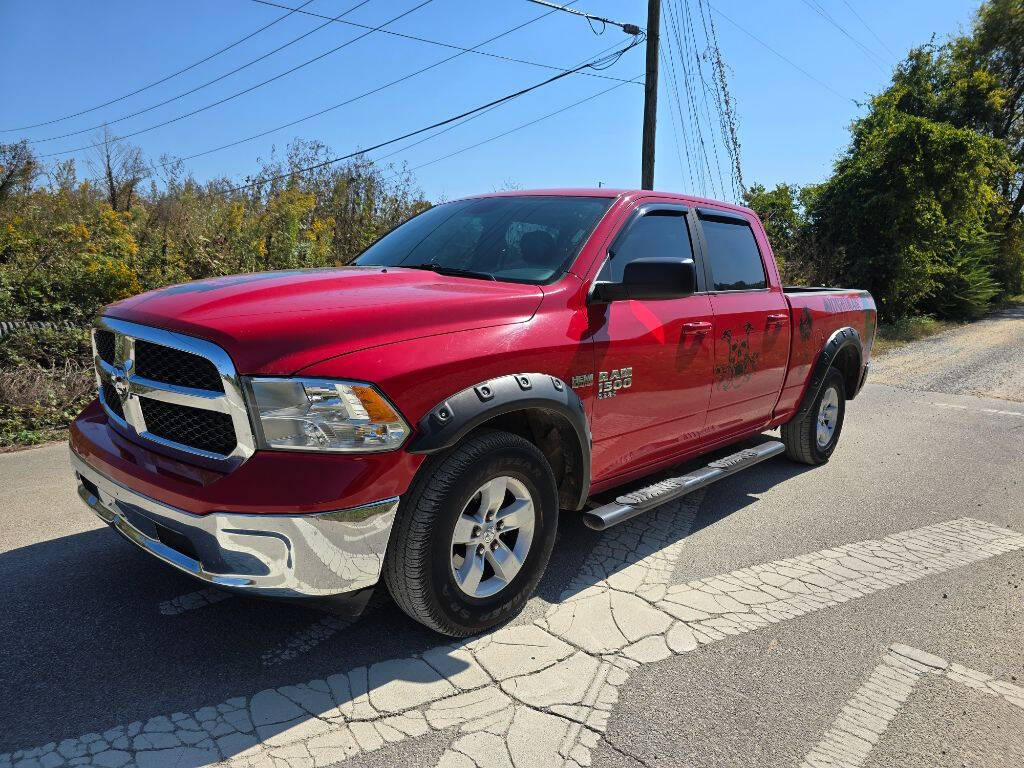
column 94, row 636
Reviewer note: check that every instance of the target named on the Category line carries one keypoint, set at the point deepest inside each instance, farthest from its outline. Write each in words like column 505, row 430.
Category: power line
column 453, row 126
column 703, row 81
column 789, row 61
column 162, row 79
column 441, row 44
column 871, row 56
column 673, row 96
column 380, row 88
column 524, row 125
column 629, row 29
column 691, row 102
column 208, row 83
column 869, row 29
column 726, row 112
column 600, row 62
column 242, row 92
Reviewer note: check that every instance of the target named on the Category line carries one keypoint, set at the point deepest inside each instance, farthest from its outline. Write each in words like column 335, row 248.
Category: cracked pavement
column 786, row 616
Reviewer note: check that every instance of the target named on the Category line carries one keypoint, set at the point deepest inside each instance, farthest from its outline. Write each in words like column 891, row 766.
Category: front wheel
column 474, row 534
column 812, row 438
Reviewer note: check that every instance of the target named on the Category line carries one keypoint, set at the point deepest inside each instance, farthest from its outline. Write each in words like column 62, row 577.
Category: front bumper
column 317, row 555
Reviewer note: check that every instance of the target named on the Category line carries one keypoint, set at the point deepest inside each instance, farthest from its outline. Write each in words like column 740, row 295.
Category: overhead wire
column 442, row 44
column 454, row 118
column 246, row 90
column 726, row 112
column 869, row 29
column 453, row 126
column 871, row 55
column 197, row 88
column 685, row 178
column 703, row 80
column 784, row 58
column 378, row 89
column 527, row 124
column 163, row 79
column 692, row 107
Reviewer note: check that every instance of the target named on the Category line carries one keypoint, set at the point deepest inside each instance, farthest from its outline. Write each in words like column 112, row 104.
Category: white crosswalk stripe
column 535, row 694
column 868, row 714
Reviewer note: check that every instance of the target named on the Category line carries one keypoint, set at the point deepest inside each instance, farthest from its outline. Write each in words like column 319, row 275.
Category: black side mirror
column 656, row 277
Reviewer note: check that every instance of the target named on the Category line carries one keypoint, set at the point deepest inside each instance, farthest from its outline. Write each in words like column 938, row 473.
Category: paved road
column 870, row 610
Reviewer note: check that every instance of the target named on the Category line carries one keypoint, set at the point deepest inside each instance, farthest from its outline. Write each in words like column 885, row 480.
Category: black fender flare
column 449, row 421
column 837, row 342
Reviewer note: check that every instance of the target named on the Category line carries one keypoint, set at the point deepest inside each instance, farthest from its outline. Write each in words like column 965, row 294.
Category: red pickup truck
column 423, row 416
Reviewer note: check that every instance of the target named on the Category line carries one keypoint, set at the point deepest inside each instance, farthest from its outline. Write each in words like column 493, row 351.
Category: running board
column 637, row 502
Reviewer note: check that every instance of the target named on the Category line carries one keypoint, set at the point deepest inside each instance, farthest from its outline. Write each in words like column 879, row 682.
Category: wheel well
column 556, row 439
column 847, row 362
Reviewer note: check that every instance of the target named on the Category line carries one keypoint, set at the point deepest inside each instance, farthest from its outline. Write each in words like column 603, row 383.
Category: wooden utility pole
column 650, row 95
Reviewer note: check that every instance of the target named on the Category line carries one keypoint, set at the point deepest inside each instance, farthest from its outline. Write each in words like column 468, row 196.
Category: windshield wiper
column 441, row 269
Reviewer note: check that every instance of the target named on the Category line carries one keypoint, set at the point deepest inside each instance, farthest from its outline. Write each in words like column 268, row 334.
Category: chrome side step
column 637, row 502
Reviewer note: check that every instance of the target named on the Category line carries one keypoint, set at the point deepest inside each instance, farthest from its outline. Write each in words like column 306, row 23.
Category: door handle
column 696, row 329
column 777, row 319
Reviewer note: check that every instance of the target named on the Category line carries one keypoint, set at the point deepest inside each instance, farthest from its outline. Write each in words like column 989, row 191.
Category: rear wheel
column 474, row 535
column 812, row 438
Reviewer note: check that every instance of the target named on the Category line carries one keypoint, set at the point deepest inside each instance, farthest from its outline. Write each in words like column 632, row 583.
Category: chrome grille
column 111, row 399
column 105, row 345
column 159, row 363
column 179, row 392
column 206, row 430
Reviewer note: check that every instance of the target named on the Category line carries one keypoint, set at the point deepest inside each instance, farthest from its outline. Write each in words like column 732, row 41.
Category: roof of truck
column 611, row 192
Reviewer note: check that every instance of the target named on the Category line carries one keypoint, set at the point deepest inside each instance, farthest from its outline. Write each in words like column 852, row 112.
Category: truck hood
column 281, row 322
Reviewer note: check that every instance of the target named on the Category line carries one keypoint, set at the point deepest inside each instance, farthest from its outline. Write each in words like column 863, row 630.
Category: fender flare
column 837, row 342
column 449, row 421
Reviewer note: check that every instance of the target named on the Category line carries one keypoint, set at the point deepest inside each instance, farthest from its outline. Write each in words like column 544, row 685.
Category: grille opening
column 105, row 345
column 172, row 366
column 195, row 427
column 175, row 541
column 112, row 399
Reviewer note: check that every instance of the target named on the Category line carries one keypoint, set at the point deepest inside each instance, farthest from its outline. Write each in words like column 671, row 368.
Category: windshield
column 529, row 239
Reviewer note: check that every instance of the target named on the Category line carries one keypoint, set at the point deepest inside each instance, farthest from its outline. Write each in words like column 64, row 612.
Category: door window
column 658, row 233
column 735, row 260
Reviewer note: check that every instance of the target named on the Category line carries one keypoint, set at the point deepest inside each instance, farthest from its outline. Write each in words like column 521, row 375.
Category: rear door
column 751, row 324
column 654, row 357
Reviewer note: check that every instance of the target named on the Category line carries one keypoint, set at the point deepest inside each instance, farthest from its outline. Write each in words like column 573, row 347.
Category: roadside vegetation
column 924, row 209
column 893, row 335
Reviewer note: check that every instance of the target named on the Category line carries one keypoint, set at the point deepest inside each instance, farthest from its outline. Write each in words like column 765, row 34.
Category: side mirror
column 656, row 277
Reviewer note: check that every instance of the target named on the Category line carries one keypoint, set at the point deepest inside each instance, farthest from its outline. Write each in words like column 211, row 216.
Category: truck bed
column 815, row 314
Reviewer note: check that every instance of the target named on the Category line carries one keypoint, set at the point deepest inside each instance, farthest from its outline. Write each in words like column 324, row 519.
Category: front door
column 654, row 357
column 752, row 330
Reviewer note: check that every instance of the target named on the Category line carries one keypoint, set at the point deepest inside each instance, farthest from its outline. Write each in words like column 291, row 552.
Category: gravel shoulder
column 984, row 358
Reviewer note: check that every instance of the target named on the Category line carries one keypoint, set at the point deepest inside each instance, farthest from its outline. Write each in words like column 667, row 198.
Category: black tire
column 800, row 435
column 418, row 565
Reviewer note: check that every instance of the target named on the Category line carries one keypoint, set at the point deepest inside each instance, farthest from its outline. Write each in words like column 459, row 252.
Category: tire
column 449, row 492
column 801, row 435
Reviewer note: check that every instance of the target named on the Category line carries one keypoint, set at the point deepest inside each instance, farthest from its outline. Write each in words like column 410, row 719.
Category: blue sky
column 62, row 56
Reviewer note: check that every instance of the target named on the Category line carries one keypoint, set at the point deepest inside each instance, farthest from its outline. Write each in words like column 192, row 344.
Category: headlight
column 325, row 415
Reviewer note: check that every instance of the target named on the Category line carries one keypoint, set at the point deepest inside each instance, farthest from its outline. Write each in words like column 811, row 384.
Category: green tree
column 782, row 215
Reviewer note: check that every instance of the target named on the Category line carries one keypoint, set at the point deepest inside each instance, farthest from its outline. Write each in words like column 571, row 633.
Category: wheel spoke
column 504, row 562
column 464, row 529
column 493, row 494
column 470, row 571
column 516, row 514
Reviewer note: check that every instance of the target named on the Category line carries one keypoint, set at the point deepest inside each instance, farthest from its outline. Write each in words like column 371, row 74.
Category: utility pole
column 650, row 95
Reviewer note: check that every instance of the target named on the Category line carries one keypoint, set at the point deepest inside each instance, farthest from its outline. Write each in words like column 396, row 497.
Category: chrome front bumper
column 293, row 556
